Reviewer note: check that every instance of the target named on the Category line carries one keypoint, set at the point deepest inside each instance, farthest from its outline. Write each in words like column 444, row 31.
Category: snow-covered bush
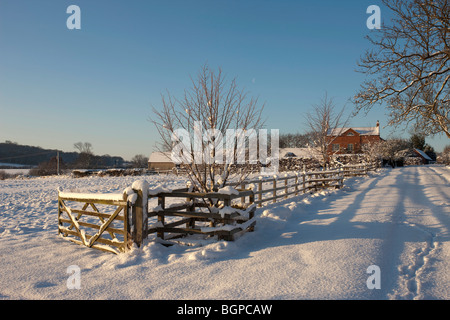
column 444, row 157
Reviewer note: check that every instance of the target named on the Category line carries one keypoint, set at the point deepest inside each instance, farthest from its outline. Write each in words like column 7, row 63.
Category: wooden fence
column 223, row 215
column 357, row 170
column 234, row 217
column 280, row 187
column 196, row 215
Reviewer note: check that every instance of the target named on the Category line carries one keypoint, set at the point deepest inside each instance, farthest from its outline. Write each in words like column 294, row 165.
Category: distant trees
column 418, row 141
column 87, row 160
column 409, row 66
column 12, row 152
column 295, row 140
column 45, row 159
column 48, row 168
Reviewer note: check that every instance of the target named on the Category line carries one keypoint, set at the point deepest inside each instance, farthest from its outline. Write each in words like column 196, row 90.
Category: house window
column 350, row 147
column 336, row 147
column 350, row 134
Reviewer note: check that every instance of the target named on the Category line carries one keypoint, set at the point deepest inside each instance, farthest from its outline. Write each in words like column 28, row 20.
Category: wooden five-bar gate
column 81, row 221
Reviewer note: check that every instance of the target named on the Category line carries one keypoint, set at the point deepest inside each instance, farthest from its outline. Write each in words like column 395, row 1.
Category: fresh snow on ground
column 313, row 246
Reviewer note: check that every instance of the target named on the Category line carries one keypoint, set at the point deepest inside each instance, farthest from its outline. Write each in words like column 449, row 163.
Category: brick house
column 351, row 140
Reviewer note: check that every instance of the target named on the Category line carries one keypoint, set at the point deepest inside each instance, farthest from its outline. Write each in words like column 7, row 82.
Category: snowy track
column 307, row 247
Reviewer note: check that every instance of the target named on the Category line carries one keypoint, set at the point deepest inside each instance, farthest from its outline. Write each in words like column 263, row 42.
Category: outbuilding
column 423, row 156
column 160, row 161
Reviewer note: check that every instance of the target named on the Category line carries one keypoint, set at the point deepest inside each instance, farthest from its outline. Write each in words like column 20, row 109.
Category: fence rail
column 356, row 170
column 209, row 214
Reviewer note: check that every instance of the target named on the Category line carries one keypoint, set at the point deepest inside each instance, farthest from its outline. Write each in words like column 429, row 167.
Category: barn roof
column 160, row 157
column 423, row 154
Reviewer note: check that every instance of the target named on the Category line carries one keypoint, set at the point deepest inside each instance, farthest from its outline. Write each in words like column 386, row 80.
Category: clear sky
column 98, row 84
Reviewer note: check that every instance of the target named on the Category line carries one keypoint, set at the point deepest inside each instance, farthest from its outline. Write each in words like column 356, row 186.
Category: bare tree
column 83, row 147
column 409, row 66
column 139, row 161
column 205, row 112
column 325, row 124
column 86, row 158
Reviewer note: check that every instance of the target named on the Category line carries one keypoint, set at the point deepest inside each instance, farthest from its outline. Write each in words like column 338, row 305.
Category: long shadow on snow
column 336, row 218
column 290, row 226
column 326, row 222
column 321, row 220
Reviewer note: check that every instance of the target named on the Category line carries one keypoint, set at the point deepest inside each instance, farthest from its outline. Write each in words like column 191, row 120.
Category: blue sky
column 98, row 84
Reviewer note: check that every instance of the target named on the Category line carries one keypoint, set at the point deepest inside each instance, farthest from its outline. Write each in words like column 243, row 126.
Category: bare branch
column 217, row 105
column 322, row 121
column 409, row 66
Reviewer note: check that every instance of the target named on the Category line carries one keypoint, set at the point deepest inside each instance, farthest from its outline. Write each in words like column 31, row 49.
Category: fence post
column 315, row 177
column 304, row 178
column 191, row 222
column 274, row 189
column 304, row 182
column 162, row 204
column 252, row 212
column 260, row 192
column 59, row 213
column 126, row 227
column 140, row 212
column 286, row 185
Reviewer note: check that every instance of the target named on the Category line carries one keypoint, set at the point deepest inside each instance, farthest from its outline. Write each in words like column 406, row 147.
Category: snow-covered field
column 307, row 247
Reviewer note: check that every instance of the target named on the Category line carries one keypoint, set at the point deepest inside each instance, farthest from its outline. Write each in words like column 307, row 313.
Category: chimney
column 378, row 124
